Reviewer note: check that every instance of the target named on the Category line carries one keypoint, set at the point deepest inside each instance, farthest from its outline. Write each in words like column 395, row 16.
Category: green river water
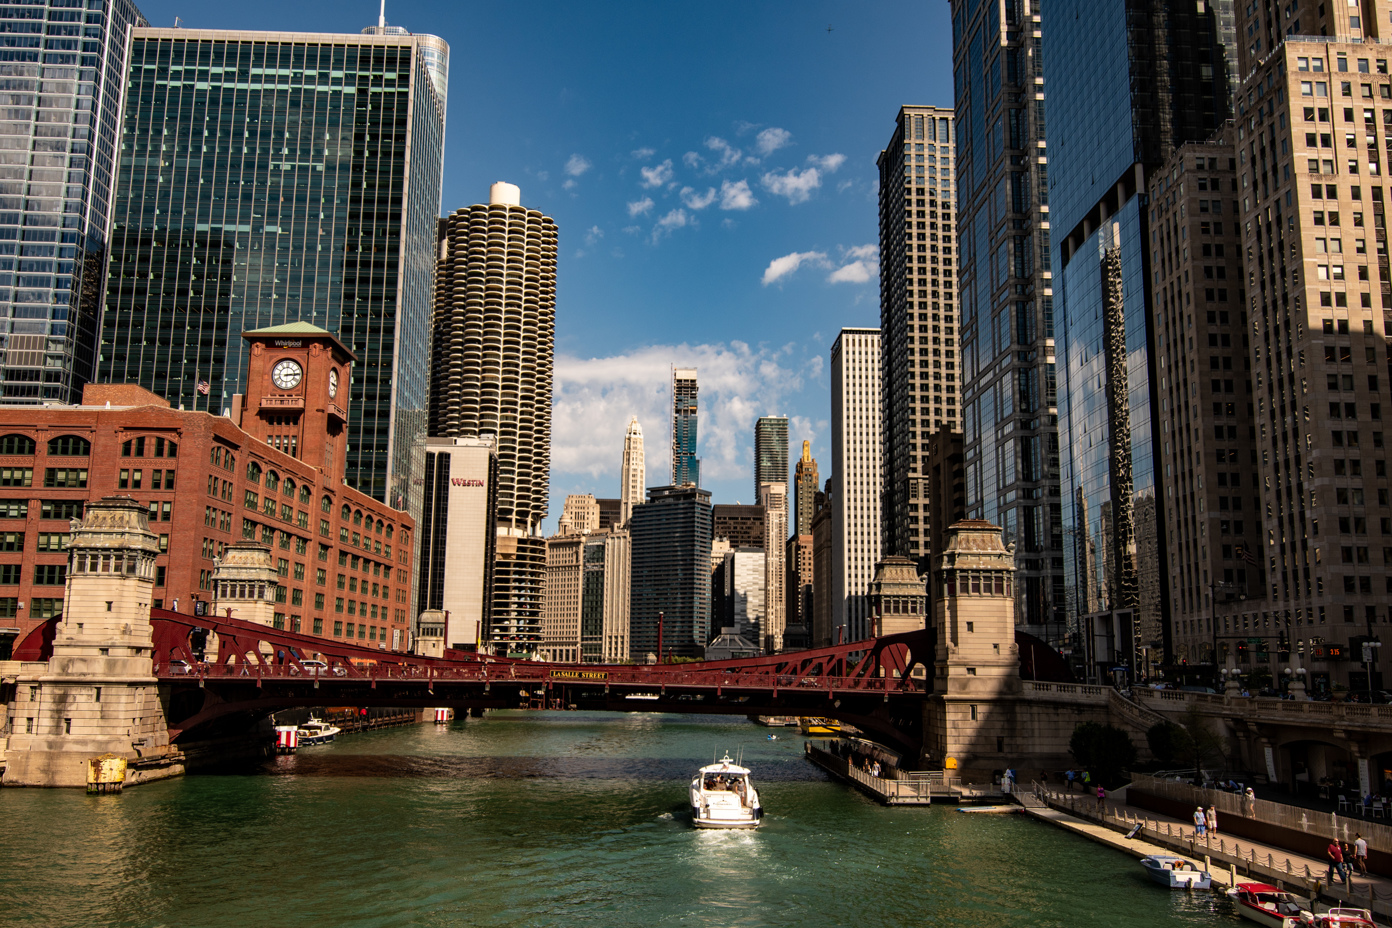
column 548, row 819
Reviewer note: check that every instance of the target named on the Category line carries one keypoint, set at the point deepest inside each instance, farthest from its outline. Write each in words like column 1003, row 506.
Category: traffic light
column 1242, row 650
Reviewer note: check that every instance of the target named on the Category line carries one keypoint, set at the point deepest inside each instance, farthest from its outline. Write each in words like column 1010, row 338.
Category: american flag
column 1246, row 555
column 204, row 387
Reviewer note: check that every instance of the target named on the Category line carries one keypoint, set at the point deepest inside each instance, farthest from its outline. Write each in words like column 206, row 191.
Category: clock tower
column 296, row 400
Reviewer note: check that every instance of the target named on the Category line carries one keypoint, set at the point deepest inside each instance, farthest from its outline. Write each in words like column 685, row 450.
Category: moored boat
column 1176, row 872
column 818, row 726
column 722, row 796
column 1345, row 918
column 317, row 731
column 1267, row 905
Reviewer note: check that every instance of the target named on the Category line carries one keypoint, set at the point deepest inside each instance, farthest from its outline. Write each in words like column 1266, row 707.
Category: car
column 178, row 668
column 318, row 668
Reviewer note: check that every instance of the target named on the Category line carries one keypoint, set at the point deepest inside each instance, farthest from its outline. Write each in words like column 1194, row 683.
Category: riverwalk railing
column 1262, row 863
column 906, row 789
column 1290, row 711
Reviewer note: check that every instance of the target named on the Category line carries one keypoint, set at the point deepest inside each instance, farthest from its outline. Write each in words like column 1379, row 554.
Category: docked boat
column 723, row 797
column 1269, row 906
column 817, row 726
column 1345, row 918
column 1176, row 872
column 317, row 731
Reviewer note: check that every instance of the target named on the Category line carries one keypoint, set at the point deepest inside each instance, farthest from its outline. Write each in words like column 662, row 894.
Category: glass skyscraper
column 1127, row 84
column 266, row 178
column 1009, row 408
column 61, row 67
column 671, row 574
column 686, row 466
column 770, row 452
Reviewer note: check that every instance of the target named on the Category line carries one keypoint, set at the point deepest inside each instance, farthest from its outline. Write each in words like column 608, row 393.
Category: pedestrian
column 1336, row 861
column 1101, row 798
column 1360, row 853
column 1068, row 779
column 1251, row 798
column 1212, row 821
column 1200, row 823
column 1087, row 780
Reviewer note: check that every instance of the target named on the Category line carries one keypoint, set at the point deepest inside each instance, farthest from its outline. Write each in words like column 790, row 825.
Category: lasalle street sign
column 579, row 675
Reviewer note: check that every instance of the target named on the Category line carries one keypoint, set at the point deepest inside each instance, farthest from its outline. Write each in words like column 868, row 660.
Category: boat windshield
column 715, row 782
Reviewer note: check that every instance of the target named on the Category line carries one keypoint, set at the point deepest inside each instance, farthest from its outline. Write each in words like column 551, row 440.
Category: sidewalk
column 1225, row 857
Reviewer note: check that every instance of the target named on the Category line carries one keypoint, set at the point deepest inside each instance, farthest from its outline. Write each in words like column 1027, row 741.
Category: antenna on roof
column 382, row 16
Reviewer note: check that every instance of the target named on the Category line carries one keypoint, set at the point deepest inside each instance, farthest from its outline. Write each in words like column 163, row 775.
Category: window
column 16, row 476
column 272, row 481
column 9, row 575
column 254, row 472
column 251, row 500
column 69, row 477
column 50, row 574
column 17, row 444
column 52, row 541
column 134, row 448
column 70, row 446
column 325, row 504
column 13, row 508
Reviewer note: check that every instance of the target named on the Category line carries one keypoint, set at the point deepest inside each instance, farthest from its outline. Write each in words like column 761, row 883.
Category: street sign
column 1254, row 641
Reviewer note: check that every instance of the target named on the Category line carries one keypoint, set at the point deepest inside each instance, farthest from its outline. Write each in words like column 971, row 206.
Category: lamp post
column 1213, row 589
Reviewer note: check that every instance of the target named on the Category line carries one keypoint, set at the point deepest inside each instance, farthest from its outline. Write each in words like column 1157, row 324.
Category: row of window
column 54, row 477
column 48, row 509
column 62, row 446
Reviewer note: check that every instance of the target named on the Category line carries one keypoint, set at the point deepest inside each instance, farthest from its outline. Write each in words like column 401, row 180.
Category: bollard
column 1207, row 864
column 1232, row 874
column 1288, row 870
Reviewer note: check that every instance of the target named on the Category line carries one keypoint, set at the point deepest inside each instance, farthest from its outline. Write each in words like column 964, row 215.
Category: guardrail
column 1258, row 707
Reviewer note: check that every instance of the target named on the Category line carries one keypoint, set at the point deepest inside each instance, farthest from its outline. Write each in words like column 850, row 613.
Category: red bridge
column 254, row 670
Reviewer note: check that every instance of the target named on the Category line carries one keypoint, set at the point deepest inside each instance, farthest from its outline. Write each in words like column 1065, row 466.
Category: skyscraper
column 1009, row 404
column 770, row 452
column 457, row 537
column 855, row 462
column 57, row 169
column 918, row 316
column 494, row 330
column 633, row 472
column 686, row 466
column 298, row 180
column 774, row 498
column 1123, row 95
column 805, row 487
column 671, row 575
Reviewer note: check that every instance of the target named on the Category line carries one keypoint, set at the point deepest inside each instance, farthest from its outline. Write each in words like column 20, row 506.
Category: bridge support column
column 98, row 693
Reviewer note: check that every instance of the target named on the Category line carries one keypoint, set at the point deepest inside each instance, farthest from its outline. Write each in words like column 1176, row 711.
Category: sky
column 711, row 169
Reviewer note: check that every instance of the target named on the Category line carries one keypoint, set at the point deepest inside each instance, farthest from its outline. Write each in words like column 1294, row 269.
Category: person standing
column 1336, row 861
column 1360, row 853
column 1251, row 797
column 1101, row 798
column 1200, row 823
column 1212, row 821
column 1068, row 779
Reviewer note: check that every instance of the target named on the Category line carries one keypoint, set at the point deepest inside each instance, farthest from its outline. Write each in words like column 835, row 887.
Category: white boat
column 1345, row 918
column 722, row 796
column 1269, row 906
column 316, row 731
column 1176, row 872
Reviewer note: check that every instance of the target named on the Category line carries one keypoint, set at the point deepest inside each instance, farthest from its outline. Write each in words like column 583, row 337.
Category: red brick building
column 271, row 472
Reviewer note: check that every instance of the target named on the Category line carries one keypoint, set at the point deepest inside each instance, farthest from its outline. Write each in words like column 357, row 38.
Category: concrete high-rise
column 494, row 332
column 770, row 452
column 686, row 466
column 921, row 370
column 633, row 472
column 1123, row 95
column 56, row 170
column 258, row 216
column 774, row 498
column 1009, row 393
column 671, row 575
column 856, row 474
column 458, row 538
column 805, row 488
column 579, row 515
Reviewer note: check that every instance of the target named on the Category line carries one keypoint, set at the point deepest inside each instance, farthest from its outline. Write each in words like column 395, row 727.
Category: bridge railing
column 1288, row 710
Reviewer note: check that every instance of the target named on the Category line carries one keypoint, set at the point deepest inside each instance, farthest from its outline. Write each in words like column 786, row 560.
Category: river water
column 548, row 819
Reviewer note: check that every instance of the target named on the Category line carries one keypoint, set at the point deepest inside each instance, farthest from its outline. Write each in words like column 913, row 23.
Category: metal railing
column 1259, row 707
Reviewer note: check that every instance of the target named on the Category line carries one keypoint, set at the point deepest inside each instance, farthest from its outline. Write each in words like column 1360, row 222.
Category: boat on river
column 818, row 726
column 722, row 796
column 1176, row 872
column 1345, row 918
column 317, row 731
column 1269, row 906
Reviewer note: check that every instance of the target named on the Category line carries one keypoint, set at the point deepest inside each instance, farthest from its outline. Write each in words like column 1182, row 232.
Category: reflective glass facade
column 60, row 95
column 266, row 178
column 686, row 466
column 1009, row 405
column 671, row 575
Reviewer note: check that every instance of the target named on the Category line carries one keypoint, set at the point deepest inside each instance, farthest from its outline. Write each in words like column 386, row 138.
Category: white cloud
column 772, row 139
column 736, row 195
column 861, row 265
column 728, row 153
column 577, row 165
column 593, row 235
column 693, row 160
column 697, row 201
column 781, row 267
column 570, row 184
column 639, row 207
column 796, row 186
column 594, row 398
column 657, row 176
column 828, row 163
column 675, row 219
column 643, row 154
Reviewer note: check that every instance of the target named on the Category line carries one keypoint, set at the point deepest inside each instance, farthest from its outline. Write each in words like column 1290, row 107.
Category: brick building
column 272, row 471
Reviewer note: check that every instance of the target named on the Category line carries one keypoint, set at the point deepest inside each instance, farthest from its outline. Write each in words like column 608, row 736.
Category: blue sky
column 712, row 170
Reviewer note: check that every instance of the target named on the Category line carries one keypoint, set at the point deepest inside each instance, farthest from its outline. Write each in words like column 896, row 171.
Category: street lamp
column 1295, row 682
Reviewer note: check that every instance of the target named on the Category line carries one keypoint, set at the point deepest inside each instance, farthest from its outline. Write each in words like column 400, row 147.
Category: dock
column 907, row 788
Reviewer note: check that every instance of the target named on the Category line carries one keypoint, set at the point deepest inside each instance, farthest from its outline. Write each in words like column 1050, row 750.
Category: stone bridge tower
column 244, row 584
column 98, row 693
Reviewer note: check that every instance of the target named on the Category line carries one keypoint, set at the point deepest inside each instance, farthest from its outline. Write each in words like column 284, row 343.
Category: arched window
column 17, row 444
column 305, row 493
column 389, row 531
column 345, row 513
column 69, row 446
column 289, row 488
column 357, row 517
column 380, row 524
column 325, row 504
column 254, row 472
column 272, row 481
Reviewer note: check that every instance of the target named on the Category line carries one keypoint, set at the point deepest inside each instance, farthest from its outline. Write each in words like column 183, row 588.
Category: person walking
column 1200, row 823
column 1336, row 861
column 1068, row 779
column 1212, row 821
column 1360, row 853
column 1251, row 798
column 1101, row 799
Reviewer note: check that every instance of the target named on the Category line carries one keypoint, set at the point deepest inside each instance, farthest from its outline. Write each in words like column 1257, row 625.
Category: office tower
column 920, row 376
column 947, row 485
column 1320, row 305
column 560, row 618
column 798, row 594
column 686, row 466
column 604, row 598
column 633, row 472
column 494, row 332
column 579, row 515
column 745, row 605
column 805, row 489
column 770, row 452
column 1009, row 404
column 741, row 524
column 1213, row 527
column 1122, row 96
column 610, row 512
column 774, row 498
column 258, row 215
column 821, row 631
column 57, row 165
column 458, row 538
column 855, row 465
column 671, row 577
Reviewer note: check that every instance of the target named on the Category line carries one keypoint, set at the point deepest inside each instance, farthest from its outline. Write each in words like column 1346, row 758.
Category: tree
column 1199, row 745
column 1166, row 741
column 1105, row 750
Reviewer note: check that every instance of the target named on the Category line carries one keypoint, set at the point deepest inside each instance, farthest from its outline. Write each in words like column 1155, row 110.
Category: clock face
column 286, row 374
column 333, row 384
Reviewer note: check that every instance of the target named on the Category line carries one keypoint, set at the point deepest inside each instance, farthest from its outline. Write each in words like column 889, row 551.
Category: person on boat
column 1200, row 823
column 1336, row 862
